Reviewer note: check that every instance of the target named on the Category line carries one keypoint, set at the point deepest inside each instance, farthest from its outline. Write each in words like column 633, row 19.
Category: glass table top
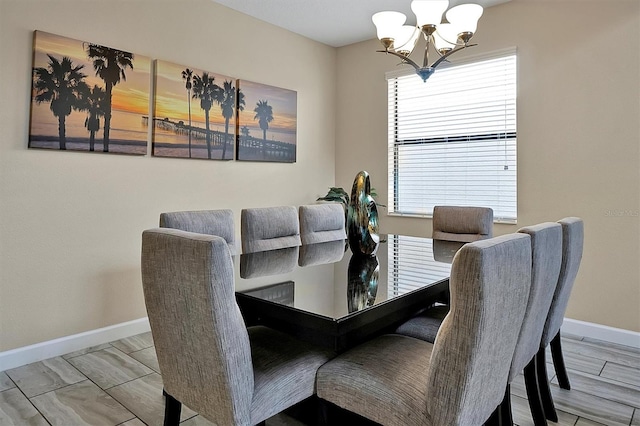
column 326, row 279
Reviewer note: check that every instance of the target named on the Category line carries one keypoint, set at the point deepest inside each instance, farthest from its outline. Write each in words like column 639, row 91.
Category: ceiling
column 333, row 22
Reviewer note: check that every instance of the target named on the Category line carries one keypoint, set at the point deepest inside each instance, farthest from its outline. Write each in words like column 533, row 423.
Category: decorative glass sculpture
column 362, row 217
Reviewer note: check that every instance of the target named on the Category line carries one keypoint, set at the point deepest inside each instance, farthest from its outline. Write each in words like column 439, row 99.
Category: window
column 452, row 140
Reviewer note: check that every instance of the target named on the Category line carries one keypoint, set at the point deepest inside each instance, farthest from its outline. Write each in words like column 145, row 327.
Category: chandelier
column 447, row 38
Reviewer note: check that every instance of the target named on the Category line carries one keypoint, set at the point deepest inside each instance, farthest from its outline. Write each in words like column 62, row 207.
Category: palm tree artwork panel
column 194, row 113
column 88, row 97
column 267, row 122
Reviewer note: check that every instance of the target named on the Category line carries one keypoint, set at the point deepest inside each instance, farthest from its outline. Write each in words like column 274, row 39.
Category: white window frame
column 423, row 151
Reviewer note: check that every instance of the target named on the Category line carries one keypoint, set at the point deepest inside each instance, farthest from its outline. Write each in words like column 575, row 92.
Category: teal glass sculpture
column 362, row 217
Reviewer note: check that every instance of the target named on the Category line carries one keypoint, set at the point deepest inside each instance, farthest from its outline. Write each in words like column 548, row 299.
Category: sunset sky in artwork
column 282, row 101
column 171, row 101
column 131, row 95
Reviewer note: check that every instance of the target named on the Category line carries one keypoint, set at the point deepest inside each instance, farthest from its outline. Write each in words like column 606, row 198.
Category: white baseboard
column 63, row 345
column 601, row 332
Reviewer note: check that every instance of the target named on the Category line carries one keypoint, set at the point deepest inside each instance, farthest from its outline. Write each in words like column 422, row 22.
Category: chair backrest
column 463, row 224
column 211, row 222
column 322, row 222
column 572, row 246
column 269, row 228
column 470, row 361
column 200, row 337
column 546, row 254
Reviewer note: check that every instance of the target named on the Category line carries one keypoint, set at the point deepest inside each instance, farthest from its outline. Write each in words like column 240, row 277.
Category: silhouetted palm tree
column 110, row 65
column 187, row 74
column 244, row 130
column 61, row 83
column 227, row 100
column 93, row 103
column 205, row 90
column 264, row 115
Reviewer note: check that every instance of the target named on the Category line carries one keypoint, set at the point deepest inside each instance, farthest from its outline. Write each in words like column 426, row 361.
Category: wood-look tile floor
column 120, row 384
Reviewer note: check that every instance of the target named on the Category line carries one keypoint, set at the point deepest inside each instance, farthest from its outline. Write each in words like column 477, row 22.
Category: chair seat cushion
column 384, row 380
column 284, row 371
column 426, row 325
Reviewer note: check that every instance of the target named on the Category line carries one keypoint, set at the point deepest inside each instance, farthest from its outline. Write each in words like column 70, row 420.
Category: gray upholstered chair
column 459, row 379
column 546, row 252
column 209, row 360
column 211, row 222
column 321, row 253
column 320, row 223
column 271, row 262
column 463, row 224
column 269, row 228
column 572, row 247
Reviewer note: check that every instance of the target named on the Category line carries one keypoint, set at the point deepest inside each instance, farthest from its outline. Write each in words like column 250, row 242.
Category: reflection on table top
column 324, row 279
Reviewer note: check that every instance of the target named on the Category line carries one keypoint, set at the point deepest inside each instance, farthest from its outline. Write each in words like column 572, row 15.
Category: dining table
column 329, row 296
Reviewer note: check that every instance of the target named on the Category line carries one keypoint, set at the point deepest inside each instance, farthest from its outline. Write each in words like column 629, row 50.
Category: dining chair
column 459, row 379
column 546, row 249
column 271, row 262
column 464, row 224
column 269, row 228
column 572, row 247
column 211, row 222
column 322, row 222
column 546, row 252
column 230, row 374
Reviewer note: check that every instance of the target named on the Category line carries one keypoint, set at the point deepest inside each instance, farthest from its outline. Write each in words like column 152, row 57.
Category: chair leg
column 502, row 414
column 494, row 419
column 506, row 415
column 544, row 388
column 323, row 412
column 172, row 408
column 558, row 362
column 533, row 394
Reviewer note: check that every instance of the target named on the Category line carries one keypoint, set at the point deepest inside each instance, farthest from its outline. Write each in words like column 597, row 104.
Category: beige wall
column 578, row 134
column 70, row 223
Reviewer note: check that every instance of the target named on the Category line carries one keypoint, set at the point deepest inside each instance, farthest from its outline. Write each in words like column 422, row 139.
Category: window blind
column 452, row 140
column 412, row 264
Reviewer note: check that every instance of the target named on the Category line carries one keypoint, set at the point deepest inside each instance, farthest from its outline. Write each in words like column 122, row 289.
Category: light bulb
column 405, row 39
column 387, row 23
column 445, row 37
column 429, row 12
column 465, row 17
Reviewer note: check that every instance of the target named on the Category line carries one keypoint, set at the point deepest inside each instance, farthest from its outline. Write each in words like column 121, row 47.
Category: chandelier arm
column 405, row 59
column 425, row 61
column 449, row 53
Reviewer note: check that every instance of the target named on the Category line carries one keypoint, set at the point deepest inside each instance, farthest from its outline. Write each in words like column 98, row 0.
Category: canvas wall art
column 267, row 123
column 194, row 113
column 88, row 97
